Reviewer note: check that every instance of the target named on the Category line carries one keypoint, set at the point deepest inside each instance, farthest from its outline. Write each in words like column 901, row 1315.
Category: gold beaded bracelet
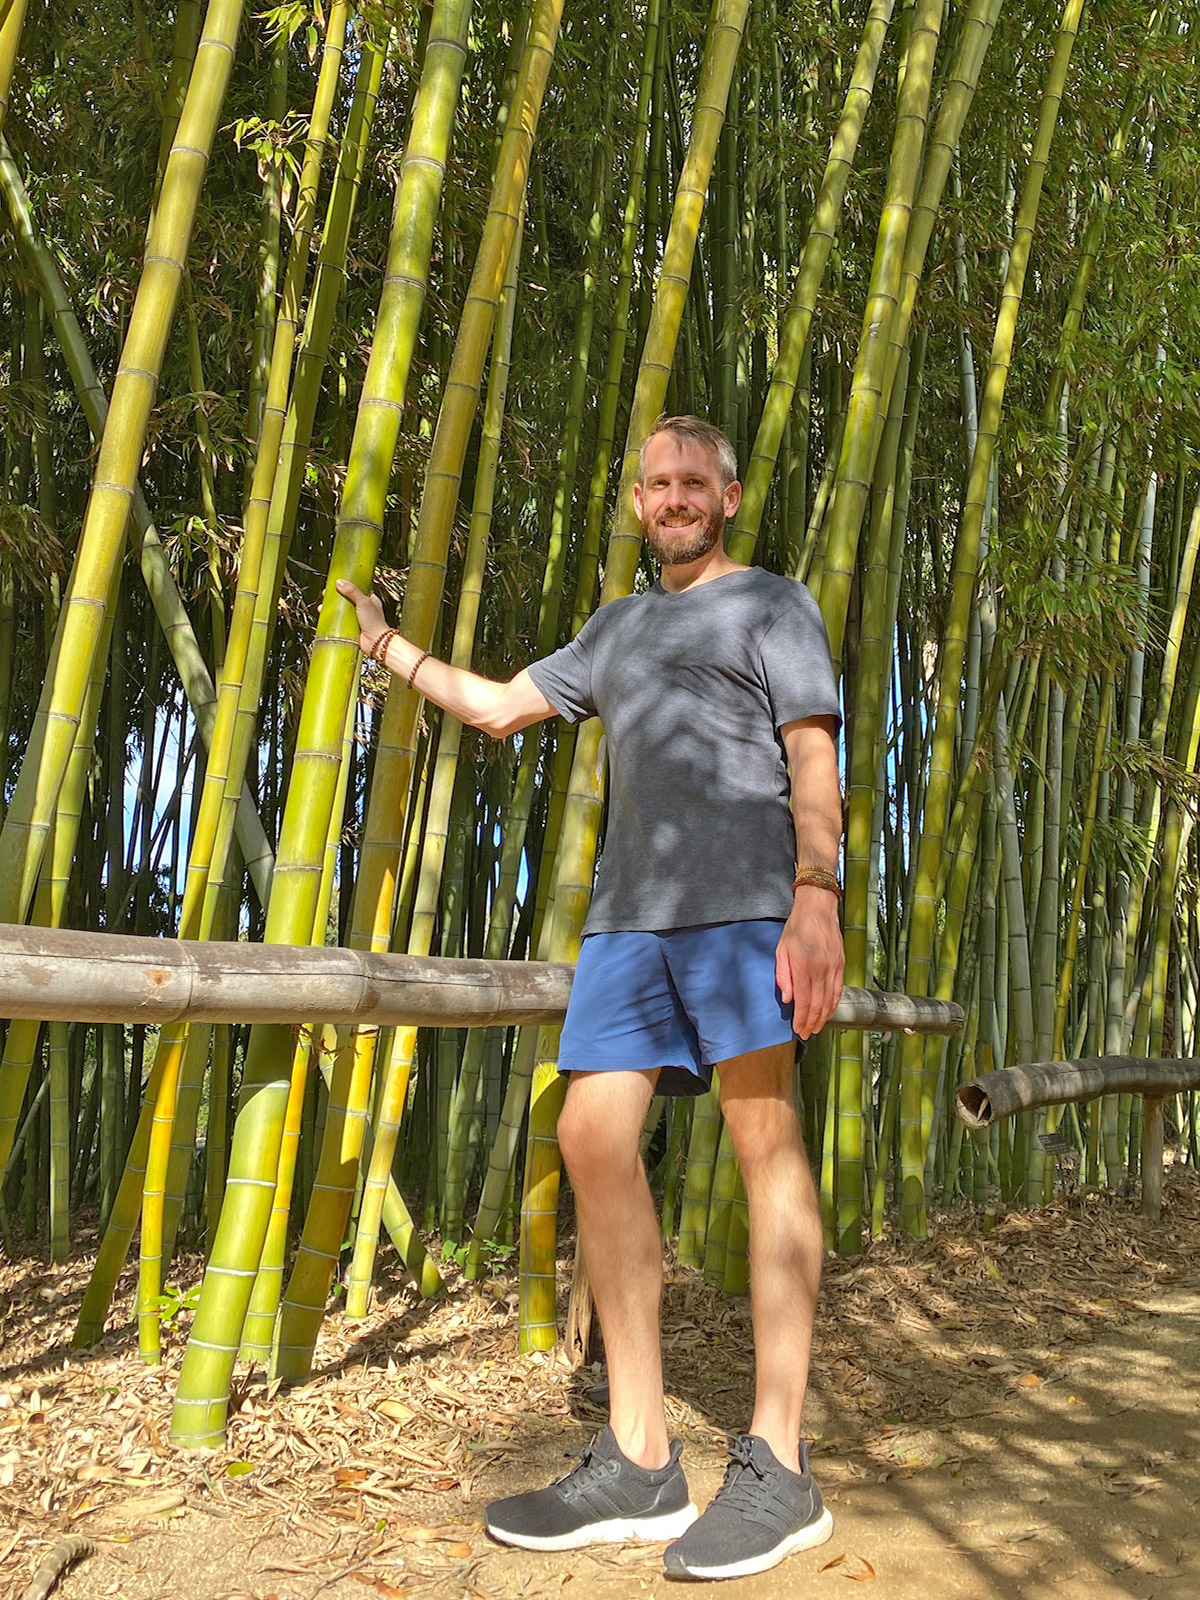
column 817, row 878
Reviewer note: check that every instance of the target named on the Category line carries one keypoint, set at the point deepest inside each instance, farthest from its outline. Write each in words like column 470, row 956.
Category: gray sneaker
column 761, row 1513
column 604, row 1500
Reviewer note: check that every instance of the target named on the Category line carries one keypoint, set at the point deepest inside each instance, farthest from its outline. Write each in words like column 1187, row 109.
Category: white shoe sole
column 616, row 1531
column 806, row 1538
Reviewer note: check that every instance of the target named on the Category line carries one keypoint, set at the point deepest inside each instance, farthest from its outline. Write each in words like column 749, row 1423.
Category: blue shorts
column 682, row 1001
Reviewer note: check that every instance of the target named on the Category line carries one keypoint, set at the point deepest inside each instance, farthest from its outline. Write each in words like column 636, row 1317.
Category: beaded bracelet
column 417, row 664
column 817, row 878
column 378, row 650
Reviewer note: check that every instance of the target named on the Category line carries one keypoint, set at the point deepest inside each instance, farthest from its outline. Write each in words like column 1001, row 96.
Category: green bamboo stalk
column 556, row 558
column 204, row 1381
column 575, row 855
column 60, row 1142
column 974, row 37
column 375, row 886
column 144, row 539
column 842, row 1202
column 11, row 25
column 27, row 824
column 610, row 390
column 238, row 694
column 868, row 405
column 1087, row 834
column 269, row 229
column 502, row 1158
column 445, row 791
column 797, row 324
column 185, row 40
column 725, row 1181
column 914, row 1114
column 50, row 906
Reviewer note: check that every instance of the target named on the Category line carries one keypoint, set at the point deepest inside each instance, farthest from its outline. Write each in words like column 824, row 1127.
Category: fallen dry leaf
column 1130, row 1483
column 396, row 1410
column 863, row 1573
column 150, row 1505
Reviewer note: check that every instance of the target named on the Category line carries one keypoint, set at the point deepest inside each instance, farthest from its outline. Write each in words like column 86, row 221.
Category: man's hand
column 810, row 960
column 371, row 620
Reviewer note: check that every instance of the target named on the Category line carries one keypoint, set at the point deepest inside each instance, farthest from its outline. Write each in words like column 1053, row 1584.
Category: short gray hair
column 698, row 432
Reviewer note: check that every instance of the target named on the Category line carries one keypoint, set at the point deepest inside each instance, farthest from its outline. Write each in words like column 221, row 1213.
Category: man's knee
column 598, row 1134
column 762, row 1130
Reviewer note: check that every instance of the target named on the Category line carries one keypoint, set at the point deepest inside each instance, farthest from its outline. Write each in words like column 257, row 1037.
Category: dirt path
column 1006, row 1414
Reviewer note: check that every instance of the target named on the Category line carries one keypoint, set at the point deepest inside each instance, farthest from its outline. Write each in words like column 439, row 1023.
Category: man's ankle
column 785, row 1447
column 646, row 1448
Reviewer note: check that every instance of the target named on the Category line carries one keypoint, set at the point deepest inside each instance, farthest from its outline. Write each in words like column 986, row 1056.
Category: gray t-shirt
column 693, row 689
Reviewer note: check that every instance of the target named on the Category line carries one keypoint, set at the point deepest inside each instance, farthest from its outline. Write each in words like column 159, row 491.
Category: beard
column 673, row 552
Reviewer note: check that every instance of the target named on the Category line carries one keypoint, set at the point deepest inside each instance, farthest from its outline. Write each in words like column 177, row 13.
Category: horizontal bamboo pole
column 987, row 1099
column 984, row 1100
column 60, row 975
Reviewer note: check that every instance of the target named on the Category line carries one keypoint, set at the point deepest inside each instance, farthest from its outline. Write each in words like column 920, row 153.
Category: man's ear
column 638, row 499
column 732, row 498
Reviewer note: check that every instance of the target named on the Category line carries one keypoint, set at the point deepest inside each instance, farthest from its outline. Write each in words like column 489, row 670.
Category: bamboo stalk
column 27, row 824
column 794, row 335
column 915, row 1108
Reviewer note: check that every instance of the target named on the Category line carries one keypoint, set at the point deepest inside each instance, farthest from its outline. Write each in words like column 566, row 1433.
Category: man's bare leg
column 786, row 1245
column 598, row 1132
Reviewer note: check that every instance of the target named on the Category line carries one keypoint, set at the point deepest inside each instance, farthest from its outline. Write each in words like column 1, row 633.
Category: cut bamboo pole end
column 995, row 1095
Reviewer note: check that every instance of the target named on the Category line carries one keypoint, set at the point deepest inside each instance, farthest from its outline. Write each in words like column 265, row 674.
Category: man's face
column 682, row 503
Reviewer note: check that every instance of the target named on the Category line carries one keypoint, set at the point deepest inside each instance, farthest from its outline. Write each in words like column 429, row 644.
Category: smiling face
column 681, row 501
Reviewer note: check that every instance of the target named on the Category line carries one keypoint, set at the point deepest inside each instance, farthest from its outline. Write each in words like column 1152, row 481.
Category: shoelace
column 588, row 1472
column 744, row 1477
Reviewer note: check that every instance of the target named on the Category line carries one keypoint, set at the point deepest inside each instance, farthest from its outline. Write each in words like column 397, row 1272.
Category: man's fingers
column 783, row 976
column 350, row 591
column 802, row 1008
column 816, row 994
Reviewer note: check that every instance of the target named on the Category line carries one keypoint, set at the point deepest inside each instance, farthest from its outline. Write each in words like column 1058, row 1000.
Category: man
column 699, row 952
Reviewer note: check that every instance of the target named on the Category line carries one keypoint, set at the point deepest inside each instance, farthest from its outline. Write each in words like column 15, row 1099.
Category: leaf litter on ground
column 429, row 1404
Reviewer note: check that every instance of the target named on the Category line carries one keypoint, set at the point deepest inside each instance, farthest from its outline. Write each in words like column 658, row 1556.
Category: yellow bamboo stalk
column 143, row 536
column 868, row 405
column 254, row 1164
column 394, row 1091
column 238, row 695
column 916, row 1108
column 797, row 323
column 10, row 40
column 26, row 827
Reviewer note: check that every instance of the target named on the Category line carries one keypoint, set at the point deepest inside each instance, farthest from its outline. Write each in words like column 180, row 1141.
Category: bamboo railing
column 986, row 1099
column 61, row 975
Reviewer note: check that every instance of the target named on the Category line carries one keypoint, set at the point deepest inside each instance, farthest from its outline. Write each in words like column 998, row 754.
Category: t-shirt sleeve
column 565, row 678
column 794, row 652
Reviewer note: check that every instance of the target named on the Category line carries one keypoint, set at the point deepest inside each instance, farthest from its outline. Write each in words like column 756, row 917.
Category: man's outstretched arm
column 497, row 708
column 810, row 960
